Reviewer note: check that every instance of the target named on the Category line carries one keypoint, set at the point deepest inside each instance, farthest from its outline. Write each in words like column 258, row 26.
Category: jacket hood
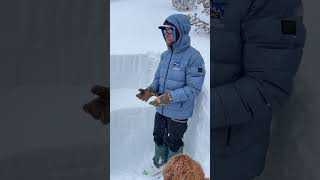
column 183, row 25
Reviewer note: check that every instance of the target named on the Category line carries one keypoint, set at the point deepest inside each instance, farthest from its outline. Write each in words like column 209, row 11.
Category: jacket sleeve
column 273, row 37
column 155, row 83
column 195, row 73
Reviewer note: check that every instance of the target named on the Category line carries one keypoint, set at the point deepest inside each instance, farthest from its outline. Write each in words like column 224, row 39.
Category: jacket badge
column 217, row 13
column 176, row 66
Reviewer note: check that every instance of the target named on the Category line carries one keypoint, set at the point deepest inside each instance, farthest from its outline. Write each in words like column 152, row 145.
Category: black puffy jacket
column 256, row 48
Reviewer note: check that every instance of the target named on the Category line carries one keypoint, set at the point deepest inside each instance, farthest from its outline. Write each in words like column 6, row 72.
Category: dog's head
column 183, row 167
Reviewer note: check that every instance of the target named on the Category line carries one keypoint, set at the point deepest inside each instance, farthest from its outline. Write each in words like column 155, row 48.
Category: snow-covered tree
column 200, row 19
column 184, row 5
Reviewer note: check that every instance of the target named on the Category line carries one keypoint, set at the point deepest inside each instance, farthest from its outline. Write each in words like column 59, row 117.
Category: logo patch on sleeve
column 200, row 69
column 289, row 27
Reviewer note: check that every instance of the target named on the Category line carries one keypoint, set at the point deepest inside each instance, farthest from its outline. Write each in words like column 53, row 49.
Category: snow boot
column 172, row 153
column 161, row 152
column 152, row 171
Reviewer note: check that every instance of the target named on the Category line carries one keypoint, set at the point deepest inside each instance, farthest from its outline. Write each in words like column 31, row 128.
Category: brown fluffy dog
column 183, row 167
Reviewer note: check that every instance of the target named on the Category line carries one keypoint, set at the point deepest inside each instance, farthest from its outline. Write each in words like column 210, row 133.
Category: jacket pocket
column 226, row 141
column 221, row 142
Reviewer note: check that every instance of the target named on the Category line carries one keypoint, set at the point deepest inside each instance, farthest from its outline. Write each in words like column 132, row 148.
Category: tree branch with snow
column 200, row 19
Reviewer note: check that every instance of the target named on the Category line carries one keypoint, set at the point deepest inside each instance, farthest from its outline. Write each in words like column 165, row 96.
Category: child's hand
column 162, row 100
column 145, row 94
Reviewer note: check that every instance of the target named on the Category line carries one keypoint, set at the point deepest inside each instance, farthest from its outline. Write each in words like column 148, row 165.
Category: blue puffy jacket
column 180, row 72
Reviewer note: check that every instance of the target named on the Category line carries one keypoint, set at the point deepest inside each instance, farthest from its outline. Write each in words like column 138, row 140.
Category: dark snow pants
column 169, row 131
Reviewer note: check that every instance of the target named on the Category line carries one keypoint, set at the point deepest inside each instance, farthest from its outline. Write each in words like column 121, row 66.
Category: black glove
column 99, row 108
column 101, row 91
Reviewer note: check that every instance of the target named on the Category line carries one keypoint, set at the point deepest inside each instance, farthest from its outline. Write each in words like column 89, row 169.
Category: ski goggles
column 170, row 30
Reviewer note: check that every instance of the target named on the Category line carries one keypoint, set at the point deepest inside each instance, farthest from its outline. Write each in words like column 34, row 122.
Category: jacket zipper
column 228, row 127
column 164, row 86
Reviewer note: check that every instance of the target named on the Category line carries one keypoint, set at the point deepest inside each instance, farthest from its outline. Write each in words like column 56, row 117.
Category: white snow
column 136, row 44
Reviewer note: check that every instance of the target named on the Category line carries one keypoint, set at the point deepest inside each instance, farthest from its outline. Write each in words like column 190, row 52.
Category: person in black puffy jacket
column 256, row 48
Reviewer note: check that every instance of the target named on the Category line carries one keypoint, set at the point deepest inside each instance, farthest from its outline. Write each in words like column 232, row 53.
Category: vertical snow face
column 197, row 137
column 132, row 71
column 131, row 138
column 132, row 121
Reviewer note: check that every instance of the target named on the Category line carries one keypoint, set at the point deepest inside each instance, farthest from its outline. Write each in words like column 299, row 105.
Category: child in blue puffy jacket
column 177, row 82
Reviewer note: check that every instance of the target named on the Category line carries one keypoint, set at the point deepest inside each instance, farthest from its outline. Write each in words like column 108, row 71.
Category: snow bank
column 132, row 70
column 131, row 139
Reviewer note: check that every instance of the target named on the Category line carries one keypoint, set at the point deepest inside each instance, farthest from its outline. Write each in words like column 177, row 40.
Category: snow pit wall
column 131, row 138
column 132, row 71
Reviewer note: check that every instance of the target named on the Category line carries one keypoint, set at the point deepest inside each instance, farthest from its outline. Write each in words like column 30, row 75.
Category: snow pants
column 169, row 132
